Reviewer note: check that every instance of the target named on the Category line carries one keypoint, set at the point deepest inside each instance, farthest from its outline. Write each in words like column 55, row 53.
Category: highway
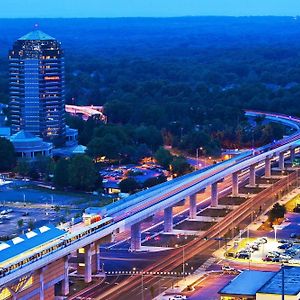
column 147, row 203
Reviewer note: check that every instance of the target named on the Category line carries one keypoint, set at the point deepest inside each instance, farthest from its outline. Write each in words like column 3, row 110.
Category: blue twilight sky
column 145, row 8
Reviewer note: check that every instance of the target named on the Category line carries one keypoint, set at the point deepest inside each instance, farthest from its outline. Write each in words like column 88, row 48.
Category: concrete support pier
column 42, row 285
column 268, row 167
column 65, row 286
column 168, row 219
column 136, row 237
column 281, row 160
column 292, row 152
column 235, row 184
column 193, row 206
column 252, row 176
column 88, row 263
column 97, row 255
column 214, row 194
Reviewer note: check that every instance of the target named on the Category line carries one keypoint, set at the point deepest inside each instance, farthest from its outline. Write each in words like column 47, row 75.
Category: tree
column 31, row 224
column 163, row 157
column 150, row 136
column 86, row 133
column 276, row 212
column 23, row 166
column 117, row 111
column 33, row 173
column 180, row 165
column 44, row 165
column 20, row 223
column 7, row 155
column 108, row 146
column 61, row 173
column 129, row 185
column 82, row 173
column 141, row 151
column 154, row 181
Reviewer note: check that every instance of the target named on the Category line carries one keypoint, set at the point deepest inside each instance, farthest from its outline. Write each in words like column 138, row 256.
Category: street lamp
column 282, row 282
column 142, row 281
column 276, row 227
column 183, row 265
column 197, row 157
column 142, row 285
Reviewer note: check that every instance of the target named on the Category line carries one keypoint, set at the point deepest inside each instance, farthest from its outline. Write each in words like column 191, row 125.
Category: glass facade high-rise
column 36, row 76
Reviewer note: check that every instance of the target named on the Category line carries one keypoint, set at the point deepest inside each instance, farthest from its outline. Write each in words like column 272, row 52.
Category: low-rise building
column 29, row 146
column 261, row 285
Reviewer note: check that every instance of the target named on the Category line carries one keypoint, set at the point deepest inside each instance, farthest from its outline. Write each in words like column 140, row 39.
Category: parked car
column 276, row 259
column 275, row 253
column 262, row 240
column 267, row 258
column 243, row 255
column 290, row 253
column 282, row 241
column 294, row 261
column 284, row 258
column 285, row 246
column 255, row 247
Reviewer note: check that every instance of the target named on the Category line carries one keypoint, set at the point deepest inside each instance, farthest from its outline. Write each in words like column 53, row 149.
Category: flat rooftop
column 291, row 282
column 247, row 283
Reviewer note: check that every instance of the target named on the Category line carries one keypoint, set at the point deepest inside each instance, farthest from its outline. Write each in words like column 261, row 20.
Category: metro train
column 57, row 244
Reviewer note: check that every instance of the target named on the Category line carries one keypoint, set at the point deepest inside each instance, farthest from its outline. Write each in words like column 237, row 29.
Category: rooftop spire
column 36, row 35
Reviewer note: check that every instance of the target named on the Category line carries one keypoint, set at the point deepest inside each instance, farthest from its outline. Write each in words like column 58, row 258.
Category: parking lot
column 282, row 246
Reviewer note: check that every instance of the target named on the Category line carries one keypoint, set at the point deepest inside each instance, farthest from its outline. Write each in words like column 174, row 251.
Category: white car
column 262, row 240
column 294, row 261
column 178, row 297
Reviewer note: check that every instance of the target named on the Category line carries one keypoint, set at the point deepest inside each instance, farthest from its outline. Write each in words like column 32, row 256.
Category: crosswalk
column 205, row 265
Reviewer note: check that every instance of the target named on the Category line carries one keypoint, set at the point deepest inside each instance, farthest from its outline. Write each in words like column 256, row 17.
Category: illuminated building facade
column 36, row 75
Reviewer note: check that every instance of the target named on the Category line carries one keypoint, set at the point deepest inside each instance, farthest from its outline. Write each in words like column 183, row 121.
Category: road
column 131, row 287
column 213, row 245
column 162, row 197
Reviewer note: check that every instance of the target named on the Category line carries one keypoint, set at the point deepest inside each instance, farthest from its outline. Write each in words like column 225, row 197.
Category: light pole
column 276, row 227
column 282, row 282
column 183, row 265
column 142, row 285
column 197, row 157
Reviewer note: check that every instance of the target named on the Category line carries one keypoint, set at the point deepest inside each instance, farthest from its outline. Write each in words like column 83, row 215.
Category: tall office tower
column 36, row 76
